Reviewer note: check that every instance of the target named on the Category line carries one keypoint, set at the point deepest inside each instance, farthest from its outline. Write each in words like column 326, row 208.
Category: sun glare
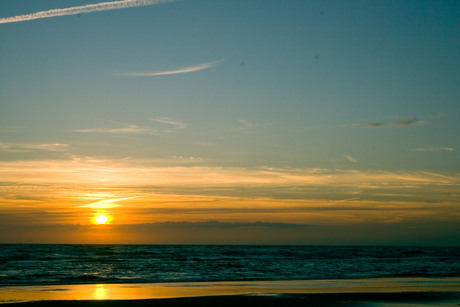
column 101, row 219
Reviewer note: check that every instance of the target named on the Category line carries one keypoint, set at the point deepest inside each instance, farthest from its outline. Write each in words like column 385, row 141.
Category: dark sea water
column 87, row 264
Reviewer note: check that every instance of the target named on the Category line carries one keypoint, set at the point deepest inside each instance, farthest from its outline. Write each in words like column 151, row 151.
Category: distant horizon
column 229, row 244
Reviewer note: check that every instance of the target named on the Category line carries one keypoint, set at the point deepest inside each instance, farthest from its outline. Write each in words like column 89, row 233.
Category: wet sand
column 318, row 299
column 360, row 292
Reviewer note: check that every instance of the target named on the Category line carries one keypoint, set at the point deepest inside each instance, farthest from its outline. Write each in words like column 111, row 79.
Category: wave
column 76, row 264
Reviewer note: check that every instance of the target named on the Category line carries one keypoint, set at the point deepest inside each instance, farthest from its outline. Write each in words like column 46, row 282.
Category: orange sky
column 57, row 201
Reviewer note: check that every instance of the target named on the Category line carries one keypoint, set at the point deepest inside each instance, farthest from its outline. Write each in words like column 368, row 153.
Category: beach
column 351, row 299
column 359, row 292
column 178, row 275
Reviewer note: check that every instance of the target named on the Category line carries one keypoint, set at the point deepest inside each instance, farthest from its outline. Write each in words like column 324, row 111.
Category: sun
column 101, row 219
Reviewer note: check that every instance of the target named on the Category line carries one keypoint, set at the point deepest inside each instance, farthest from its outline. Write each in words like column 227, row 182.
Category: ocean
column 24, row 264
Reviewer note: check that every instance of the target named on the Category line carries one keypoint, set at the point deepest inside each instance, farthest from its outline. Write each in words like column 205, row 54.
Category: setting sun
column 101, row 219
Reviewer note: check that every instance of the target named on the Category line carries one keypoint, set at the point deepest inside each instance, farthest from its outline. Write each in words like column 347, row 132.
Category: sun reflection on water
column 100, row 292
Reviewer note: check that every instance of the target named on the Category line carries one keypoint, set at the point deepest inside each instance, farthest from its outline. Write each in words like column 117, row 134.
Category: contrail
column 103, row 6
column 182, row 70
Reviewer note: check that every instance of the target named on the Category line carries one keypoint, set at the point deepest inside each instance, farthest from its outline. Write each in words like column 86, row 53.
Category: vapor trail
column 103, row 6
column 182, row 70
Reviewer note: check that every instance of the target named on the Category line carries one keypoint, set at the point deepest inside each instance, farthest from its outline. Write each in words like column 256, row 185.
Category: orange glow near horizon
column 183, row 211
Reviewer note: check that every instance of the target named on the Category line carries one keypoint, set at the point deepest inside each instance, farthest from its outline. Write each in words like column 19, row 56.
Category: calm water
column 76, row 264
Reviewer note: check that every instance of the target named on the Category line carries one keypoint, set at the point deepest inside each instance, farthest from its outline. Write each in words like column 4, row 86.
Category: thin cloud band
column 97, row 7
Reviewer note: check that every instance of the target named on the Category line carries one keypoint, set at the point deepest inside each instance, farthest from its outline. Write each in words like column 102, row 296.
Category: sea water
column 23, row 264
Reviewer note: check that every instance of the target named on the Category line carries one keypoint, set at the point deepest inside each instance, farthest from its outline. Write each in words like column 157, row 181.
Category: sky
column 230, row 122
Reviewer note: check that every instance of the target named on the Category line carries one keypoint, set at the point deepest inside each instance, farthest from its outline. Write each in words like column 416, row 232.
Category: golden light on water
column 100, row 293
column 172, row 290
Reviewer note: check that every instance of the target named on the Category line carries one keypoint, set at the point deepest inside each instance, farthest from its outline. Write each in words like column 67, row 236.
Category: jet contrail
column 172, row 72
column 103, row 6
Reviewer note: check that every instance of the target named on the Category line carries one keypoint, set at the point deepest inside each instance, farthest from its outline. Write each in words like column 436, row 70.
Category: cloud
column 401, row 123
column 144, row 173
column 107, row 203
column 194, row 202
column 122, row 129
column 21, row 147
column 429, row 148
column 143, row 176
column 210, row 225
column 182, row 70
column 211, row 199
column 368, row 125
column 170, row 121
column 89, row 8
column 406, row 122
column 129, row 129
column 451, row 178
column 351, row 159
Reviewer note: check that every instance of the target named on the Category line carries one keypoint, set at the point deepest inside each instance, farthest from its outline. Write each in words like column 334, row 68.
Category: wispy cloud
column 429, row 148
column 71, row 191
column 367, row 125
column 89, row 8
column 190, row 202
column 121, row 129
column 351, row 159
column 406, row 122
column 23, row 147
column 212, row 225
column 280, row 181
column 170, row 122
column 182, row 70
column 401, row 123
column 129, row 129
column 107, row 203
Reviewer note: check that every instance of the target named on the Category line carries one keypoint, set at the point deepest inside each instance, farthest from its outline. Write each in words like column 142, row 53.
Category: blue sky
column 365, row 92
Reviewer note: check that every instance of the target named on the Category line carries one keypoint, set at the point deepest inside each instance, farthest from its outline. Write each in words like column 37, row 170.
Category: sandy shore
column 318, row 299
column 359, row 292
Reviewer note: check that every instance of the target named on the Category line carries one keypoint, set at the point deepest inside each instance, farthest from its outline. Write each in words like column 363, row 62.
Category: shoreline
column 412, row 299
column 289, row 293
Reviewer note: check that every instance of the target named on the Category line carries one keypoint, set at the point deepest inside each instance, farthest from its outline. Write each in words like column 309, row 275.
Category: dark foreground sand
column 284, row 300
column 385, row 292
